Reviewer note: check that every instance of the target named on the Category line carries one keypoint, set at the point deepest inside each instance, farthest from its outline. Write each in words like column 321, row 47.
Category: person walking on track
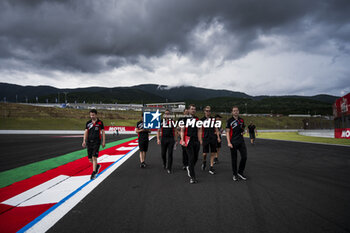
column 235, row 141
column 184, row 152
column 252, row 132
column 93, row 135
column 218, row 145
column 210, row 137
column 166, row 137
column 191, row 139
column 143, row 141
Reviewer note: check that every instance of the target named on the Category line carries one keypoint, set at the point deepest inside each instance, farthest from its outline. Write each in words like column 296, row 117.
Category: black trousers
column 167, row 145
column 184, row 156
column 243, row 151
column 192, row 152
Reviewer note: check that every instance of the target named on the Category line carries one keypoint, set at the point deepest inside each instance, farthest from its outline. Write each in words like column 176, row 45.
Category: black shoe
column 168, row 171
column 93, row 176
column 164, row 167
column 216, row 161
column 204, row 164
column 212, row 171
column 193, row 181
column 98, row 168
column 142, row 165
column 234, row 178
column 241, row 176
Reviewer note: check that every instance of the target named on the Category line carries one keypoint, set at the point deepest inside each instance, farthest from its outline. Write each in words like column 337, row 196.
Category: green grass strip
column 17, row 174
column 294, row 136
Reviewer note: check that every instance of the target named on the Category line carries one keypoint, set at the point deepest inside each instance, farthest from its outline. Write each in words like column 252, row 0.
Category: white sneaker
column 241, row 176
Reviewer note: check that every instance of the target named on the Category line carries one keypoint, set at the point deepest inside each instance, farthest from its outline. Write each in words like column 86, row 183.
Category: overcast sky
column 259, row 47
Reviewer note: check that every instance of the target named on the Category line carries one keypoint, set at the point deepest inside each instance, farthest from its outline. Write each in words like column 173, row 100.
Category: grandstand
column 174, row 106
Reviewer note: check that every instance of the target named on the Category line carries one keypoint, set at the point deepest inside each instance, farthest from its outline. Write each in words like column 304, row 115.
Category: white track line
column 125, row 148
column 110, row 159
column 57, row 192
column 51, row 218
column 133, row 144
column 25, row 196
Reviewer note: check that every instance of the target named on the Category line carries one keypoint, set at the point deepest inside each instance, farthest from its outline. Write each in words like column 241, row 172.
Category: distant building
column 174, row 106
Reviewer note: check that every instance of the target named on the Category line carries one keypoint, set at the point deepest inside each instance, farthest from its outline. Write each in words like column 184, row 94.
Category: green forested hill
column 275, row 105
column 220, row 100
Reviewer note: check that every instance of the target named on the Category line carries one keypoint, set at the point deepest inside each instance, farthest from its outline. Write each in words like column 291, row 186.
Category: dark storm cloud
column 93, row 36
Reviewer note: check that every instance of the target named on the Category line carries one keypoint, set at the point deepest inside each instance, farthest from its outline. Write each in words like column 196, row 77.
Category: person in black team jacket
column 94, row 132
column 143, row 141
column 184, row 152
column 252, row 132
column 210, row 139
column 166, row 137
column 234, row 134
column 218, row 145
column 191, row 138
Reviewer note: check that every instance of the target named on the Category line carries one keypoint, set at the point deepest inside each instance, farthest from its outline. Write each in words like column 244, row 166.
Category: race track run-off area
column 36, row 203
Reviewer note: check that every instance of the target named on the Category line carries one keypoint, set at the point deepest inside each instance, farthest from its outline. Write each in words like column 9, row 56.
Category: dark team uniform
column 236, row 129
column 167, row 143
column 184, row 150
column 193, row 146
column 251, row 129
column 218, row 144
column 94, row 137
column 210, row 138
column 142, row 137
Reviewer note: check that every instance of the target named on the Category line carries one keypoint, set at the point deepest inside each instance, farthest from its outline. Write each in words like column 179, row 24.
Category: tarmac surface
column 291, row 187
column 18, row 150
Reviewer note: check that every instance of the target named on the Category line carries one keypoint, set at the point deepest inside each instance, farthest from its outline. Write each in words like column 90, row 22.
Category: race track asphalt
column 291, row 187
column 18, row 150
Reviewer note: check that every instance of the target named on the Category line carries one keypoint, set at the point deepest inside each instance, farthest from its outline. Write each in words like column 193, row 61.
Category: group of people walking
column 192, row 137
